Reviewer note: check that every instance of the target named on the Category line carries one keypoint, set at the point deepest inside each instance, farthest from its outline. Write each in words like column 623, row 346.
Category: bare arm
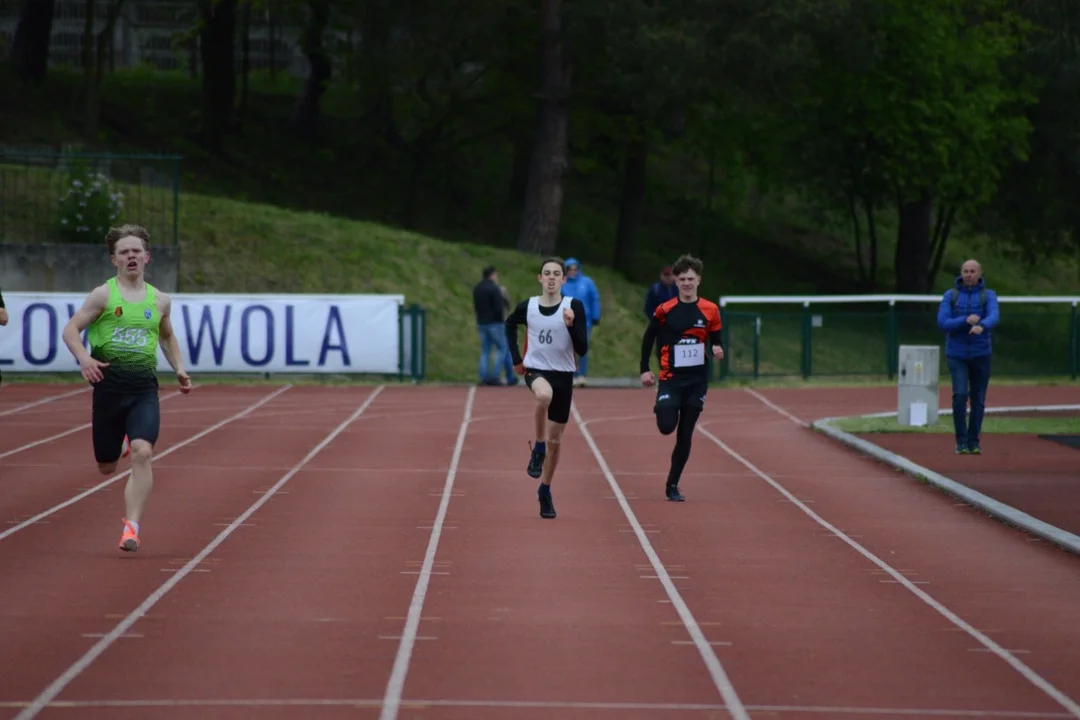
column 91, row 309
column 170, row 346
column 3, row 311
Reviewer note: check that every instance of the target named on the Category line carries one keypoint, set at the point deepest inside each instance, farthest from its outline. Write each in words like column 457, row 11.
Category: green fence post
column 892, row 340
column 1074, row 343
column 422, row 313
column 806, row 341
column 757, row 343
column 414, row 337
column 176, row 202
column 401, row 343
column 725, row 337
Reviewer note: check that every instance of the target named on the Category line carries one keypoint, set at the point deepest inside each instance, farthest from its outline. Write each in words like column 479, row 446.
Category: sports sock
column 540, row 447
column 134, row 525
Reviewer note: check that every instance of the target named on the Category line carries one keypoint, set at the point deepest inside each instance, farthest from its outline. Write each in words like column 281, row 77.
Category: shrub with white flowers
column 90, row 207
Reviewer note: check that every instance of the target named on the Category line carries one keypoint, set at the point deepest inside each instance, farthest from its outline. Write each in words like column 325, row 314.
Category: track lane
column 305, row 599
column 805, row 404
column 67, row 579
column 63, row 429
column 42, row 421
column 522, row 609
column 989, row 573
column 783, row 589
column 36, row 493
column 19, row 397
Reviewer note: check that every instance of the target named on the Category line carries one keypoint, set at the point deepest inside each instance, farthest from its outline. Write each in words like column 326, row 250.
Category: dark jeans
column 970, row 379
column 493, row 337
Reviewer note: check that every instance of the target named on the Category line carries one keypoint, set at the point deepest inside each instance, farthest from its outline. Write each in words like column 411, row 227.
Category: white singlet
column 548, row 345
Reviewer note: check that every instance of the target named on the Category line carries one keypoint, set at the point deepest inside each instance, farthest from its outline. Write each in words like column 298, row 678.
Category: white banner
column 227, row 333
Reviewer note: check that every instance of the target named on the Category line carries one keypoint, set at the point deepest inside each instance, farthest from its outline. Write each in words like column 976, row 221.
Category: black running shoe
column 547, row 507
column 673, row 494
column 536, row 463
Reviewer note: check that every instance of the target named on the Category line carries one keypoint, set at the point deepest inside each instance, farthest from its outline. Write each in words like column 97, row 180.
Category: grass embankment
column 247, row 248
column 234, row 246
column 276, row 215
column 1051, row 425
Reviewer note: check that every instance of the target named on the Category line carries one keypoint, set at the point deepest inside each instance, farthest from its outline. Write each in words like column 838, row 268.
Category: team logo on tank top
column 147, row 314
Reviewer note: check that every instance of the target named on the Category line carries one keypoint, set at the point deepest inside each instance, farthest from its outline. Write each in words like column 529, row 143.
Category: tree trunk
column 306, row 113
column 30, row 48
column 245, row 65
column 631, row 205
column 544, row 196
column 217, row 44
column 519, row 184
column 912, row 260
column 94, row 62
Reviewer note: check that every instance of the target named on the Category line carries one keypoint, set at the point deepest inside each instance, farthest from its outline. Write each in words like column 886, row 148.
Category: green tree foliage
column 904, row 120
column 905, row 104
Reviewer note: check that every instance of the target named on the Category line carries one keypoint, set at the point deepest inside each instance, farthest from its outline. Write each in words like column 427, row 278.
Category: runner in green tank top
column 125, row 338
column 127, row 319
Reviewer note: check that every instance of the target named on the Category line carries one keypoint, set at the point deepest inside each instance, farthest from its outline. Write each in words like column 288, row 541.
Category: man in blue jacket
column 968, row 314
column 579, row 285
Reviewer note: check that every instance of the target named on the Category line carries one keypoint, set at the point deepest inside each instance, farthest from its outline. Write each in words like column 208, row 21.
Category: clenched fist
column 568, row 317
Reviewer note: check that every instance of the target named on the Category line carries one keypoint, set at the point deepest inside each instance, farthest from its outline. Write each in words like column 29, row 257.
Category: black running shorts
column 562, row 392
column 677, row 393
column 114, row 415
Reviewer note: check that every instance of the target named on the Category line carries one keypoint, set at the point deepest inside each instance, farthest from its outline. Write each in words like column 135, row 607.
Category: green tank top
column 125, row 335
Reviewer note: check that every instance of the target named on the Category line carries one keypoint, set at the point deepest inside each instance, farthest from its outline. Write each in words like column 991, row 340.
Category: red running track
column 378, row 554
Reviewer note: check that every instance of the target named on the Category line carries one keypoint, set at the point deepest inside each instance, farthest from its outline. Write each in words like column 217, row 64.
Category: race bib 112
column 689, row 355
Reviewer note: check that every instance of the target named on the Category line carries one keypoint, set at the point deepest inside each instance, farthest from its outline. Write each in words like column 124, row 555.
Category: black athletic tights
column 683, row 420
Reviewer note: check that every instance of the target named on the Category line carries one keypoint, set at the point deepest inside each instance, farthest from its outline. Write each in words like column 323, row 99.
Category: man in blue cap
column 580, row 286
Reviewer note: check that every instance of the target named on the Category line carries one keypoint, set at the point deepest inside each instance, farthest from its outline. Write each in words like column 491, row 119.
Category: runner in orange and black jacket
column 686, row 331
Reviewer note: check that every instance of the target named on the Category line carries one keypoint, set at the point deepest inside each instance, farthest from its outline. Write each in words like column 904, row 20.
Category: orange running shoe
column 125, row 449
column 129, row 541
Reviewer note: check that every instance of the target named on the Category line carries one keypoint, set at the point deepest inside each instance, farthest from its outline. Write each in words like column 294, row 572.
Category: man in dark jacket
column 968, row 314
column 490, row 303
column 3, row 321
column 660, row 292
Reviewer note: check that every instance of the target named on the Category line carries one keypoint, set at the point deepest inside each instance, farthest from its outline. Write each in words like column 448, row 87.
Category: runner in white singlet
column 554, row 339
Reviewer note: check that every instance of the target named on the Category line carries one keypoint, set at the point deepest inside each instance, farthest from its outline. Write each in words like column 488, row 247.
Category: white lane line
column 1034, row 678
column 43, row 401
column 395, row 686
column 58, row 685
column 57, row 436
column 719, row 677
column 776, row 407
column 106, row 483
column 540, row 704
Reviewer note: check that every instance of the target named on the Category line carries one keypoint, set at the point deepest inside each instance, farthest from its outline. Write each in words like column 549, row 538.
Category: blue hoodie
column 584, row 289
column 959, row 342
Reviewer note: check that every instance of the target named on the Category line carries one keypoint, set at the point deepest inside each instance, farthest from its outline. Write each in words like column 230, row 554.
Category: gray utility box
column 917, row 385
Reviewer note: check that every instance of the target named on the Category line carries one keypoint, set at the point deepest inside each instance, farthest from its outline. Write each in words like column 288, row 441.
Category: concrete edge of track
column 1005, row 513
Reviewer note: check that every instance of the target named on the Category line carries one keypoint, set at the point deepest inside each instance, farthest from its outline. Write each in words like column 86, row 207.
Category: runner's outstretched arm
column 90, row 311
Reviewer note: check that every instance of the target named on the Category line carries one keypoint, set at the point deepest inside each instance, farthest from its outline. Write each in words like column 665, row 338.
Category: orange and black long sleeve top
column 676, row 323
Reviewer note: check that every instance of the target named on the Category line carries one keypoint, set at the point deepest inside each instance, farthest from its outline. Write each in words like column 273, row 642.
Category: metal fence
column 159, row 34
column 73, row 197
column 855, row 335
